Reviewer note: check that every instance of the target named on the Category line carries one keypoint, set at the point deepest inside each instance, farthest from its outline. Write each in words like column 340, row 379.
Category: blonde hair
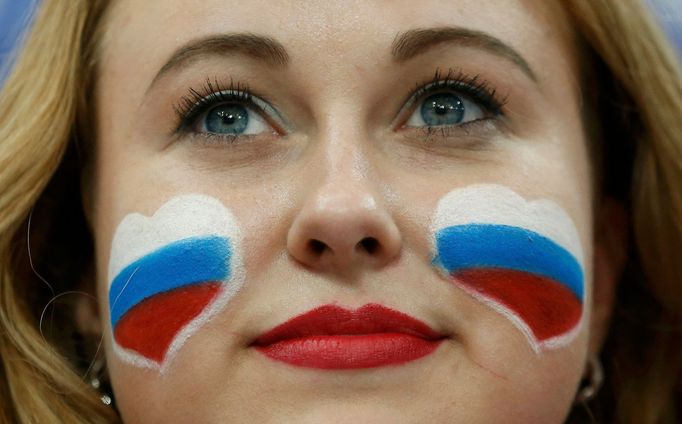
column 38, row 122
column 644, row 350
column 45, row 110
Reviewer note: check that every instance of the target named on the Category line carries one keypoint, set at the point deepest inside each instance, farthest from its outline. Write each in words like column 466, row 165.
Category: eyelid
column 473, row 88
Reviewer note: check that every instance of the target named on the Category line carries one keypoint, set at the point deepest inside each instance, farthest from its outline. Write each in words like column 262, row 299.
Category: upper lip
column 331, row 319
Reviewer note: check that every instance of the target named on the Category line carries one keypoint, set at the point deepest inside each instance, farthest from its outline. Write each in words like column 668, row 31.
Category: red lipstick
column 331, row 337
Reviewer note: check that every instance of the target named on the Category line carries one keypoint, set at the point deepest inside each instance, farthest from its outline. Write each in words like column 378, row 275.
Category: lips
column 331, row 337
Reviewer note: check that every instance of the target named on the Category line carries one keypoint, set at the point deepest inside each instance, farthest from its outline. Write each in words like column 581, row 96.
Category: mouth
column 330, row 337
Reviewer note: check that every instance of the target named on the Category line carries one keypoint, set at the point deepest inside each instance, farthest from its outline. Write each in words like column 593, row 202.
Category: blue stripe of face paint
column 187, row 261
column 501, row 246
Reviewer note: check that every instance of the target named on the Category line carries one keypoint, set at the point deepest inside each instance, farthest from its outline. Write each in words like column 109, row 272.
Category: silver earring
column 94, row 378
column 595, row 379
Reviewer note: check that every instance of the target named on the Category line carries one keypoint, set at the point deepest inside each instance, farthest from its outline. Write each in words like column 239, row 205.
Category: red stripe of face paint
column 350, row 351
column 150, row 326
column 548, row 308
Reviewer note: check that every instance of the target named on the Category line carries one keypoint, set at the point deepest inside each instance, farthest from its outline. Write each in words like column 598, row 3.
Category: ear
column 86, row 317
column 610, row 256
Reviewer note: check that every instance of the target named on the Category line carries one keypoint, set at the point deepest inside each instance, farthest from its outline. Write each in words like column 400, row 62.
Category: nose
column 341, row 227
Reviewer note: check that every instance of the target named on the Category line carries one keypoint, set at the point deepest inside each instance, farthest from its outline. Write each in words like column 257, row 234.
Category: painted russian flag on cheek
column 169, row 274
column 521, row 258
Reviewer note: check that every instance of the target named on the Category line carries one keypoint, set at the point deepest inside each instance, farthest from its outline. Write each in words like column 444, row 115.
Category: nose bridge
column 342, row 223
column 348, row 180
column 345, row 157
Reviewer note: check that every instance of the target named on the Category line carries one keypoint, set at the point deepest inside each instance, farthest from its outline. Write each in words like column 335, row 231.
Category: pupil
column 227, row 119
column 442, row 109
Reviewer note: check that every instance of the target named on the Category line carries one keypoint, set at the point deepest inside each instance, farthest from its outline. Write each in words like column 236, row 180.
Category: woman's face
column 339, row 166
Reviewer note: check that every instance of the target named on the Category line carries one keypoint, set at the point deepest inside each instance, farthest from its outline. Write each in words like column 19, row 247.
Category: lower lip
column 350, row 351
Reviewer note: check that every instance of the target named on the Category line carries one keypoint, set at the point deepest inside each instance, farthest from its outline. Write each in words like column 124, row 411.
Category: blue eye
column 445, row 109
column 442, row 109
column 231, row 119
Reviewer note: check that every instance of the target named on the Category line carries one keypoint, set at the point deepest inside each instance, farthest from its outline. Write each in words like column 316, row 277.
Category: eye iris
column 227, row 119
column 442, row 109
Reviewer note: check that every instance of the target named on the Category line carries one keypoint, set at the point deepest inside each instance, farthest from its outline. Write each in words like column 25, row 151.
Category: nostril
column 316, row 246
column 369, row 245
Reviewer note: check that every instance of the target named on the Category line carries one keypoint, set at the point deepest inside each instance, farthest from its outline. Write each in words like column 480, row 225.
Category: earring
column 594, row 381
column 94, row 378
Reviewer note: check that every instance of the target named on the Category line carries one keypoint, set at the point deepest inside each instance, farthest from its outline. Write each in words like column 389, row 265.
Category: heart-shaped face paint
column 522, row 258
column 169, row 274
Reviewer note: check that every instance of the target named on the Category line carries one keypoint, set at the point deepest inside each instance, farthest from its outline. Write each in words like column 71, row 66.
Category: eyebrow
column 409, row 44
column 256, row 46
column 406, row 45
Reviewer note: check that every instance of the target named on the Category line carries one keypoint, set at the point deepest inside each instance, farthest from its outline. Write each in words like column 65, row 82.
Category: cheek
column 521, row 258
column 169, row 274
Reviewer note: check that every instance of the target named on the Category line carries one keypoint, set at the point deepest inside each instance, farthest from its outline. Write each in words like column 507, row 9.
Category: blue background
column 669, row 13
column 15, row 16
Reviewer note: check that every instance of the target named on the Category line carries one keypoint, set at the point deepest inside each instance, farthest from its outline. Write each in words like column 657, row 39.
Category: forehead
column 143, row 35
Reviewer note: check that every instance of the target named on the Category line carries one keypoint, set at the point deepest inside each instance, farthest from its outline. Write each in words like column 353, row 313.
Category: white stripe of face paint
column 184, row 216
column 496, row 204
column 181, row 217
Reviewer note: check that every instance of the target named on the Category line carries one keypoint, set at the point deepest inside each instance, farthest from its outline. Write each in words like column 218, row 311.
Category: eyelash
column 213, row 92
column 474, row 87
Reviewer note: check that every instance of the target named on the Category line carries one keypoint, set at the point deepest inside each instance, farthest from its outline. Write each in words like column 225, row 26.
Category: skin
column 344, row 169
